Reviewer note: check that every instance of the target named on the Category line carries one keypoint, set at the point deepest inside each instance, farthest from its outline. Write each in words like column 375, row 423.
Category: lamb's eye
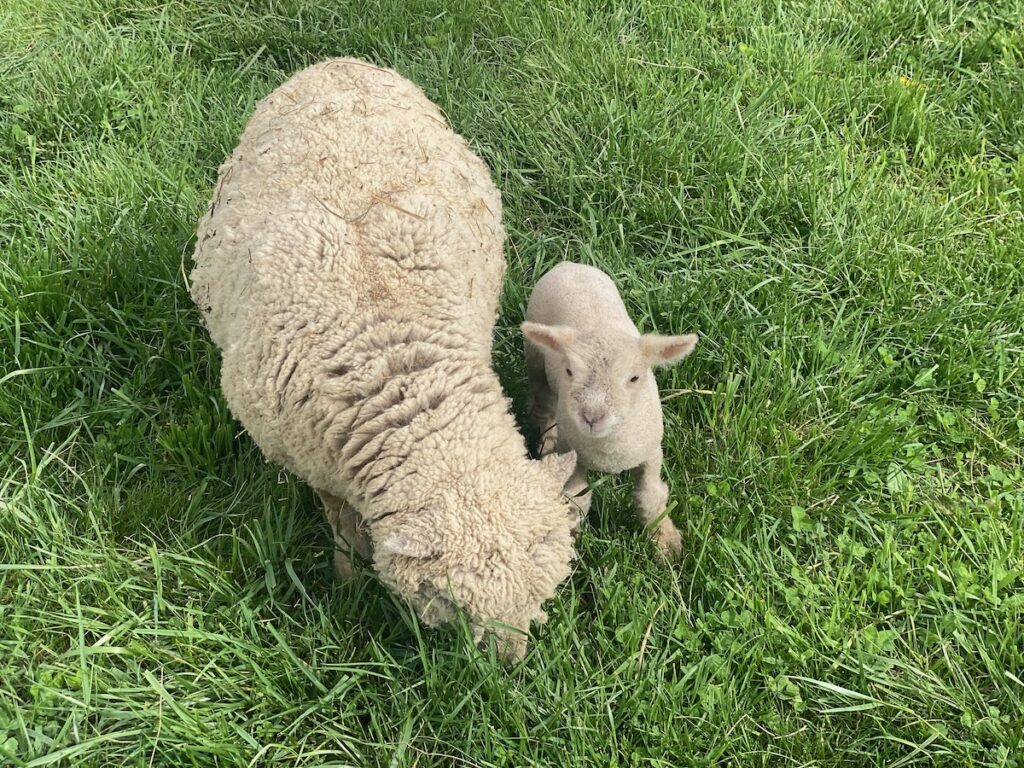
column 568, row 373
column 634, row 379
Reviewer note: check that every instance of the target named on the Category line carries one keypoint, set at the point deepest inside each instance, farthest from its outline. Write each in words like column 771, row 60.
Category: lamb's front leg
column 579, row 495
column 543, row 400
column 650, row 495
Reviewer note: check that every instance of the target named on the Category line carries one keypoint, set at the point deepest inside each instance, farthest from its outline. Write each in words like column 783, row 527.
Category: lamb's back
column 579, row 296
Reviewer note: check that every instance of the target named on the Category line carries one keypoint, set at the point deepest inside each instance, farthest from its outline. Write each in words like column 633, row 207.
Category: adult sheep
column 349, row 269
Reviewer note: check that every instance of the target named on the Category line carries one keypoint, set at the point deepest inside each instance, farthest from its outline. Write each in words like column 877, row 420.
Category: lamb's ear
column 560, row 465
column 666, row 350
column 557, row 338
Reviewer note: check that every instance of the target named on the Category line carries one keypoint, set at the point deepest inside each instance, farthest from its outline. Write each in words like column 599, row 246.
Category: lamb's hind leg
column 650, row 495
column 543, row 400
column 349, row 535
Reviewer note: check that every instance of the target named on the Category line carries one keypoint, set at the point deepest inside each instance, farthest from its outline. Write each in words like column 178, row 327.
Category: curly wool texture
column 349, row 268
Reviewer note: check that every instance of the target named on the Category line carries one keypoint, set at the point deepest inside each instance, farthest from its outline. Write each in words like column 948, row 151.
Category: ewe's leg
column 349, row 536
column 542, row 400
column 511, row 644
column 650, row 495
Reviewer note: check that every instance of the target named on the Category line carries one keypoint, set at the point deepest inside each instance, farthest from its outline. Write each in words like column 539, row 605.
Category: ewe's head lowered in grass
column 604, row 376
column 496, row 553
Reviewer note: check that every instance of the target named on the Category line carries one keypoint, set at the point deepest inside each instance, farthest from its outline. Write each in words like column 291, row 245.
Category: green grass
column 830, row 192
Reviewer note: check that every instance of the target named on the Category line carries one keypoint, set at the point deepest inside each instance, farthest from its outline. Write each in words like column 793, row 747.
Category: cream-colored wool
column 349, row 268
column 594, row 391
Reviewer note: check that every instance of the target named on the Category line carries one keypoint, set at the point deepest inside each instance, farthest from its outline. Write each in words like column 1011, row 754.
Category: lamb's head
column 494, row 544
column 601, row 377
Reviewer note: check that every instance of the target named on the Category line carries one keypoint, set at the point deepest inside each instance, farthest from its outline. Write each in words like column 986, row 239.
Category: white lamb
column 349, row 269
column 593, row 389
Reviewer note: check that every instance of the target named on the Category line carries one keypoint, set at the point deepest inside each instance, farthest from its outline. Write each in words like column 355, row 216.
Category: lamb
column 349, row 270
column 593, row 389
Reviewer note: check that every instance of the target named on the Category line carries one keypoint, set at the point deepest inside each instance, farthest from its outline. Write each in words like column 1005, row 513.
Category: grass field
column 830, row 192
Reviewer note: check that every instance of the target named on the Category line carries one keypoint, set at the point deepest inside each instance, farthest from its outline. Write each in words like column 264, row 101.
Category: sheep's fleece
column 349, row 268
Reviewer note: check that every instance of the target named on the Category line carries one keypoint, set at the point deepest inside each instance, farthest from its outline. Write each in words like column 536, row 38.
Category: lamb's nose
column 592, row 418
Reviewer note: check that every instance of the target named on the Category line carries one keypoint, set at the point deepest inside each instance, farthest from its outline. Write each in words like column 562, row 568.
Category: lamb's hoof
column 575, row 525
column 668, row 543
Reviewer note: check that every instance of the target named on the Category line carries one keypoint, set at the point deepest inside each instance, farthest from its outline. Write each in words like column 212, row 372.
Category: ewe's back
column 352, row 237
column 348, row 195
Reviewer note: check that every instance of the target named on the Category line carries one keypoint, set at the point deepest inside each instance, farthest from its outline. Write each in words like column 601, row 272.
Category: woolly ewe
column 593, row 389
column 349, row 268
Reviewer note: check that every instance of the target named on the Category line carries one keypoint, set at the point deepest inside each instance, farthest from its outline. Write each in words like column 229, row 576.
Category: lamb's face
column 601, row 380
column 603, row 377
